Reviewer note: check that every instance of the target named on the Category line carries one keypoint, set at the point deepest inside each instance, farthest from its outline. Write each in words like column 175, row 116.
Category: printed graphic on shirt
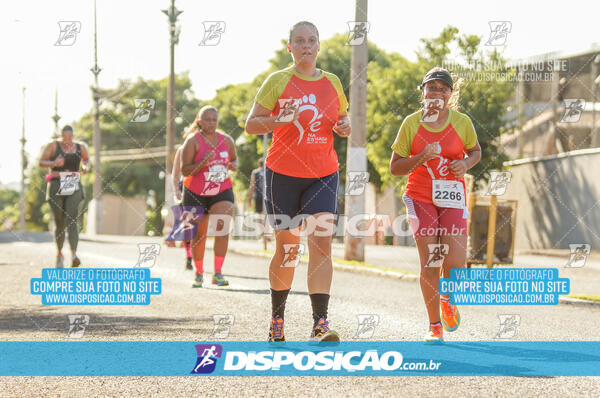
column 303, row 148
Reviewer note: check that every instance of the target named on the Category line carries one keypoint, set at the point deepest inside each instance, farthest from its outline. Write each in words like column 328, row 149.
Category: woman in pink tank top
column 206, row 158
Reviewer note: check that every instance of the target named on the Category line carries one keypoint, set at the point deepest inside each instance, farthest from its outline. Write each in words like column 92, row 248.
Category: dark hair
column 67, row 128
column 302, row 23
column 261, row 162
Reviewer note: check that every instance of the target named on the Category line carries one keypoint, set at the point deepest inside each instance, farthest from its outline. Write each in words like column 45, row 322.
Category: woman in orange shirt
column 430, row 149
column 302, row 105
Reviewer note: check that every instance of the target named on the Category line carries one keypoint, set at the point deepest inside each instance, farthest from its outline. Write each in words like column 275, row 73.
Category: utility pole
column 172, row 13
column 97, row 137
column 23, row 166
column 520, row 111
column 356, row 160
column 55, row 117
column 594, row 78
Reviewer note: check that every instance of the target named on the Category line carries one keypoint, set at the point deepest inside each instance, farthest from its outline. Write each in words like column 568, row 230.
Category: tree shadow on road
column 52, row 320
column 28, row 236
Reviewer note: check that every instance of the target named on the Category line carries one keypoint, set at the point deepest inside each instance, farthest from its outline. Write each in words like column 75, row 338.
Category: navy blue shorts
column 289, row 200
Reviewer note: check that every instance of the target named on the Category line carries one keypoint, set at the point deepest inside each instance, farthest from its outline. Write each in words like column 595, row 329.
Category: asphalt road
column 183, row 313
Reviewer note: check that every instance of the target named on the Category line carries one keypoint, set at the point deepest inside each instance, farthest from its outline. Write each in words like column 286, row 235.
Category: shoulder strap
column 58, row 150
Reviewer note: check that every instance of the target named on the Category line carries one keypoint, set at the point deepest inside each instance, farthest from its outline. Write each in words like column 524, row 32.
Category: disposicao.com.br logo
column 303, row 359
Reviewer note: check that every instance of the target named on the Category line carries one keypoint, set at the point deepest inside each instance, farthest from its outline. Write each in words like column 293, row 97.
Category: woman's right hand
column 430, row 151
column 208, row 156
column 59, row 162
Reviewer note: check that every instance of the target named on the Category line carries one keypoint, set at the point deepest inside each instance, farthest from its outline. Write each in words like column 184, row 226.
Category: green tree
column 37, row 209
column 393, row 95
column 9, row 208
column 138, row 177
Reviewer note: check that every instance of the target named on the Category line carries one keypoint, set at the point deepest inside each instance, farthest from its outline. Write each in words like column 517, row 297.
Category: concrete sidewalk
column 404, row 259
column 401, row 261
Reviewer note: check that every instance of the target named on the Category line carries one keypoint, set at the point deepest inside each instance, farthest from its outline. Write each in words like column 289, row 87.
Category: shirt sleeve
column 403, row 141
column 470, row 138
column 340, row 91
column 271, row 90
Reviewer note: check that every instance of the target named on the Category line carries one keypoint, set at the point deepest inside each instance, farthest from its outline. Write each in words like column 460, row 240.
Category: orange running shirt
column 304, row 148
column 455, row 137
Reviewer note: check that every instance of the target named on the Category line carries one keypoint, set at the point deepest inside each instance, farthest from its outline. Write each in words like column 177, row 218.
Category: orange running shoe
column 450, row 316
column 435, row 335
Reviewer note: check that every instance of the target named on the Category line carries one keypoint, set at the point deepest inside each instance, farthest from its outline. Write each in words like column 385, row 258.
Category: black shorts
column 291, row 199
column 191, row 199
column 258, row 204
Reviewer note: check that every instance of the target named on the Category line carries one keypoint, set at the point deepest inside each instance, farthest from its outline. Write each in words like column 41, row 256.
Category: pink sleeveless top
column 214, row 177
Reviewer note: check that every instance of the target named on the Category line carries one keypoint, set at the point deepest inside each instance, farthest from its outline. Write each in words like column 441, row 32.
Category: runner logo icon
column 437, row 254
column 366, row 325
column 207, row 358
column 77, row 325
column 68, row 33
column 291, row 255
column 499, row 31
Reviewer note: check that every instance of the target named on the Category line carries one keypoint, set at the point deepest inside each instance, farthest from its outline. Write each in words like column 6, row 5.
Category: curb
column 353, row 268
column 343, row 267
column 407, row 277
column 578, row 302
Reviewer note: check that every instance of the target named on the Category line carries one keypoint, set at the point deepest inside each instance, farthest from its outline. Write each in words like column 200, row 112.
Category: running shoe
column 60, row 261
column 218, row 280
column 75, row 262
column 435, row 335
column 450, row 316
column 188, row 263
column 198, row 281
column 321, row 332
column 276, row 335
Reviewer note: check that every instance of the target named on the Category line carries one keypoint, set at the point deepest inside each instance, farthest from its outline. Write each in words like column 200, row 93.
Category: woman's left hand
column 233, row 165
column 342, row 127
column 458, row 167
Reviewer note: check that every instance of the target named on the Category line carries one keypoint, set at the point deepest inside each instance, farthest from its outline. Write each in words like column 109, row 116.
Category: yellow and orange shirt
column 455, row 137
column 304, row 148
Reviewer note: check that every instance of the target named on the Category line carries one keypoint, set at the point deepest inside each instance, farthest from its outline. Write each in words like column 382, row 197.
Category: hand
column 178, row 194
column 430, row 151
column 458, row 167
column 59, row 162
column 233, row 165
column 208, row 156
column 288, row 107
column 84, row 168
column 342, row 127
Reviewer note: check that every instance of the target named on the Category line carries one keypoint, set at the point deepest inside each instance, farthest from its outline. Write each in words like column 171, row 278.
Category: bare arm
column 188, row 167
column 233, row 163
column 259, row 121
column 85, row 158
column 176, row 171
column 47, row 153
column 400, row 166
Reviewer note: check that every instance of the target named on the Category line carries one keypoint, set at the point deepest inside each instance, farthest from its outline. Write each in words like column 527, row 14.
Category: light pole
column 55, row 117
column 23, row 166
column 356, row 159
column 172, row 13
column 97, row 137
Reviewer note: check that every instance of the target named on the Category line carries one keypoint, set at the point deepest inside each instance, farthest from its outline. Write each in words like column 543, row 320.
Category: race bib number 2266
column 448, row 193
